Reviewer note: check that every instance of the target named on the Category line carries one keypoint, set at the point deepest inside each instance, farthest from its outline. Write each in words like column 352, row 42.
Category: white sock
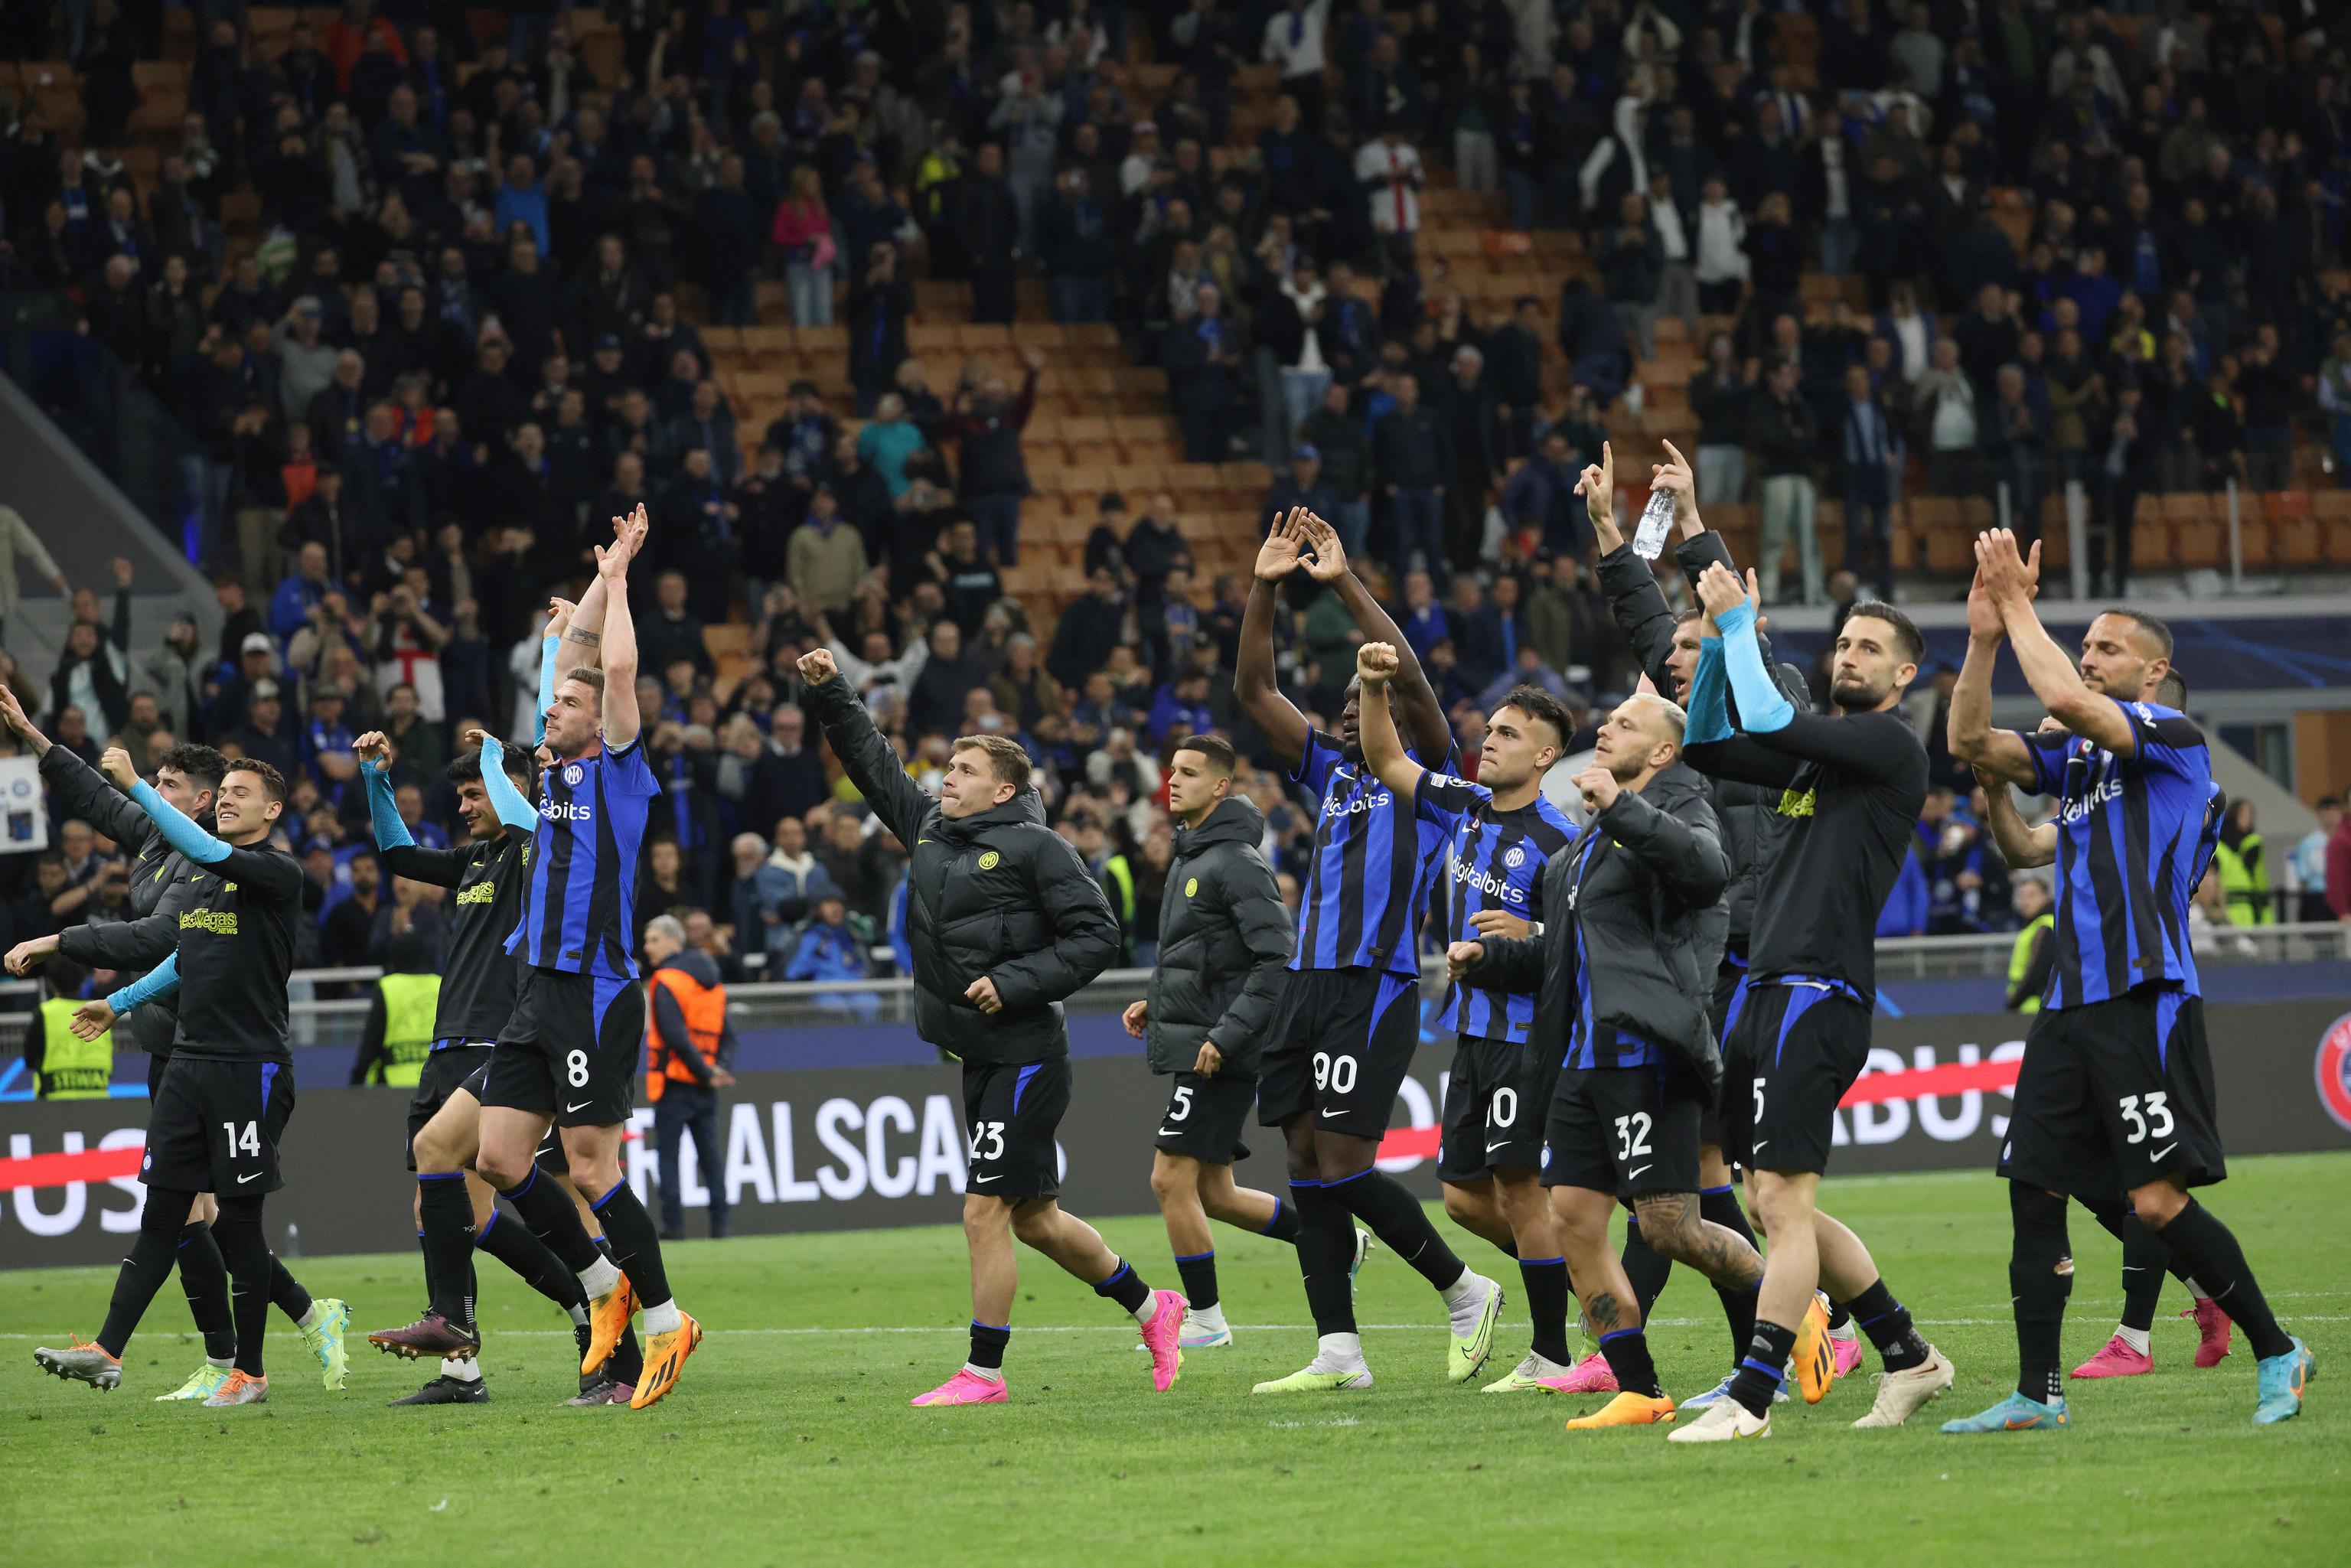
column 1846, row 1331
column 1463, row 1290
column 1148, row 1310
column 460, row 1370
column 220, row 1363
column 1338, row 1350
column 985, row 1374
column 2135, row 1338
column 663, row 1318
column 309, row 1319
column 599, row 1276
column 1209, row 1317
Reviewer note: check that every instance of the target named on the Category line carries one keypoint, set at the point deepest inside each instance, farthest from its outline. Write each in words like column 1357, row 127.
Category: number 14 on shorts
column 248, row 1142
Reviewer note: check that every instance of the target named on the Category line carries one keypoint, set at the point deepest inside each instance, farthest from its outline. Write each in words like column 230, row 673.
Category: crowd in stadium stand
column 469, row 337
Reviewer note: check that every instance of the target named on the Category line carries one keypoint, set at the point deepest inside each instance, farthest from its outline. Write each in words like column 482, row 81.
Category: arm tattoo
column 590, row 638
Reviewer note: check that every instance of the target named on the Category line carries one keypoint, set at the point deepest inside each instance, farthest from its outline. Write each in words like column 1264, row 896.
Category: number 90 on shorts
column 1341, row 1043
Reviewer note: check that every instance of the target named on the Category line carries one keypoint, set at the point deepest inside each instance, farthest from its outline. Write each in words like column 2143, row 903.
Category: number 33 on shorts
column 2147, row 1117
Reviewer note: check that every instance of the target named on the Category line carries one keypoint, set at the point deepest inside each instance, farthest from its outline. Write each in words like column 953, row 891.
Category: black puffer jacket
column 997, row 893
column 1224, row 937
column 1649, row 903
column 163, row 882
column 1749, row 813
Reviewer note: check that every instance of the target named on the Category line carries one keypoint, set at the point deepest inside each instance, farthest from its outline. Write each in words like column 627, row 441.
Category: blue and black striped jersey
column 583, row 863
column 1591, row 1043
column 1497, row 860
column 2132, row 838
column 1367, row 886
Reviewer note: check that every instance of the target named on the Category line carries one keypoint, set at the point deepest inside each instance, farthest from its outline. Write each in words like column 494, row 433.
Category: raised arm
column 583, row 639
column 864, row 756
column 550, row 653
column 1998, row 754
column 2013, row 579
column 2021, row 846
column 514, row 810
column 1383, row 752
column 1424, row 718
column 259, row 867
column 1709, row 743
column 81, row 791
column 401, row 856
column 1766, row 714
column 623, row 722
column 1254, row 687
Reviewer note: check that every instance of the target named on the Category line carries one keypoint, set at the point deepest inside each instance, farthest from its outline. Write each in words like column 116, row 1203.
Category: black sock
column 1721, row 1205
column 1627, row 1351
column 554, row 1218
column 1646, row 1268
column 1739, row 1311
column 149, row 1264
column 1283, row 1226
column 1326, row 1249
column 1396, row 1217
column 1125, row 1287
column 513, row 1244
column 1886, row 1322
column 285, row 1292
column 1199, row 1275
column 1765, row 1367
column 427, row 1253
column 2210, row 1251
column 204, row 1277
column 988, row 1342
column 636, row 1242
column 2146, row 1257
column 246, row 1252
column 627, row 1362
column 1546, row 1283
column 448, row 1211
column 1839, row 1314
column 2039, row 1281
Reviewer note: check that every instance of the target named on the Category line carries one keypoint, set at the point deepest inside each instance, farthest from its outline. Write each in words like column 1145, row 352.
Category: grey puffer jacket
column 1648, row 901
column 163, row 882
column 1224, row 937
column 1750, row 815
column 995, row 895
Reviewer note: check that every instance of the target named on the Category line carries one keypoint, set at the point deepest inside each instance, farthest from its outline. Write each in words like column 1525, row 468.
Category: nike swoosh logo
column 255, row 1177
column 1634, row 1175
column 1168, row 1133
column 1760, row 1142
column 920, row 843
column 2163, row 1150
column 567, row 1109
column 2016, row 1425
column 978, row 1180
column 1341, row 1112
column 1503, row 1144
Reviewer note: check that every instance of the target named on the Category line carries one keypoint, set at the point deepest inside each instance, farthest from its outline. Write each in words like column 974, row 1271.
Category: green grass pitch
column 789, row 1440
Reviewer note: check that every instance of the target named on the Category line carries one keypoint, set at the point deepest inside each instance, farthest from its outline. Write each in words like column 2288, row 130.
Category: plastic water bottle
column 293, row 1248
column 1656, row 525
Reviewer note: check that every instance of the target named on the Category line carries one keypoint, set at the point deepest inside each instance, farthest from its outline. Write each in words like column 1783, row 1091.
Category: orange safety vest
column 705, row 1007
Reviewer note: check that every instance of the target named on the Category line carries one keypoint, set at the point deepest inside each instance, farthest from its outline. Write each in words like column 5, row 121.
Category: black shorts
column 1205, row 1116
column 214, row 1127
column 2116, row 1095
column 1340, row 1045
column 571, row 1049
column 1730, row 1000
column 1495, row 1101
column 155, row 1065
column 1623, row 1130
column 1791, row 1055
column 445, row 1071
column 1009, row 1116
